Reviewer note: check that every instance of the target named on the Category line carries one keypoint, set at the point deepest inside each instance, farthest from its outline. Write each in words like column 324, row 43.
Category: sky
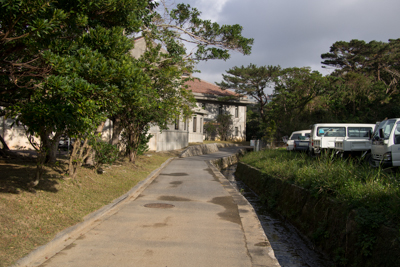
column 294, row 33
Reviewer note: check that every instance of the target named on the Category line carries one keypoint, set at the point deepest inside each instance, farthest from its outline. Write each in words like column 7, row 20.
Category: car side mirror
column 381, row 134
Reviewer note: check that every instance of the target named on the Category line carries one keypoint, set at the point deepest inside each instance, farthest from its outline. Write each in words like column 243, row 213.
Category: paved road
column 188, row 216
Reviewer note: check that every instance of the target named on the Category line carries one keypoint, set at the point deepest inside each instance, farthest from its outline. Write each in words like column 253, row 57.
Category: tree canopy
column 251, row 81
column 363, row 87
column 66, row 65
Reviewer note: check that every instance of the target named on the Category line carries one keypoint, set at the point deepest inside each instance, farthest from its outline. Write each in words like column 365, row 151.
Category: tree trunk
column 51, row 156
column 5, row 147
column 90, row 159
column 133, row 132
column 50, row 146
column 117, row 129
column 132, row 146
column 79, row 154
column 40, row 161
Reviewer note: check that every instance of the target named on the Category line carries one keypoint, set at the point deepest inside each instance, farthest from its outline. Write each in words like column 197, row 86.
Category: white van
column 385, row 148
column 297, row 135
column 324, row 135
column 357, row 143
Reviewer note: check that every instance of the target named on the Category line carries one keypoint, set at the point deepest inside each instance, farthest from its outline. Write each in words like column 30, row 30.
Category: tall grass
column 350, row 180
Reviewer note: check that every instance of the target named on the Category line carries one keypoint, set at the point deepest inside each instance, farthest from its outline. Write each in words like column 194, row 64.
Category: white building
column 215, row 101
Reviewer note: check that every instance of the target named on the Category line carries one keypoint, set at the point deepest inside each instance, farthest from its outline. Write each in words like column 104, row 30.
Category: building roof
column 207, row 88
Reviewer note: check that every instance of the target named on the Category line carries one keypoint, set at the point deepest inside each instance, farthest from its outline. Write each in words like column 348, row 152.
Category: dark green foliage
column 253, row 124
column 66, row 65
column 295, row 91
column 210, row 128
column 362, row 89
column 143, row 142
column 105, row 153
column 224, row 126
column 251, row 81
column 369, row 222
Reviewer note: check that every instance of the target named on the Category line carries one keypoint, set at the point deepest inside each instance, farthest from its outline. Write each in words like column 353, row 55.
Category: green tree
column 210, row 128
column 88, row 63
column 253, row 123
column 88, row 71
column 365, row 80
column 224, row 126
column 373, row 59
column 251, row 81
column 295, row 89
column 163, row 96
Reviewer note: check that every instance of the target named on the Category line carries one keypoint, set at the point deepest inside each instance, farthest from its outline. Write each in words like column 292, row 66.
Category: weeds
column 374, row 193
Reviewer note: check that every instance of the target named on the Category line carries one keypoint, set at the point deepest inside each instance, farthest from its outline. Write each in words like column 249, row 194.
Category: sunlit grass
column 29, row 220
column 350, row 181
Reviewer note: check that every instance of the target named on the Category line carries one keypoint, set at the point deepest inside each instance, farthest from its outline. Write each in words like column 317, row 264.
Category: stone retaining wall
column 330, row 225
column 203, row 149
column 225, row 162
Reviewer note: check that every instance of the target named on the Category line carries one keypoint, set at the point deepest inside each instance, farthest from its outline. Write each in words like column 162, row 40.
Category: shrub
column 105, row 153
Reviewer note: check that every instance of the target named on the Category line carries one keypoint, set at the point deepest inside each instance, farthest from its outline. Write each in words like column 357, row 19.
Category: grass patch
column 31, row 219
column 373, row 193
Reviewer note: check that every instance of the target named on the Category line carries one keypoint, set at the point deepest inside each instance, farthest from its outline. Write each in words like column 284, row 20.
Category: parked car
column 297, row 135
column 385, row 147
column 324, row 135
column 65, row 143
column 302, row 143
column 357, row 143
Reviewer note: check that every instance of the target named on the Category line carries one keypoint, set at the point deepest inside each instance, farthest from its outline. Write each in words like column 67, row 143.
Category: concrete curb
column 69, row 235
column 257, row 244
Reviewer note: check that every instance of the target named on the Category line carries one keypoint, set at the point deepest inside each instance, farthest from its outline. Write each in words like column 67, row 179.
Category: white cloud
column 211, row 9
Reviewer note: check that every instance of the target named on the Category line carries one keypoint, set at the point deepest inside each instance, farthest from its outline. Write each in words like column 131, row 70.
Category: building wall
column 16, row 139
column 106, row 134
column 196, row 128
column 170, row 139
column 239, row 122
column 14, row 135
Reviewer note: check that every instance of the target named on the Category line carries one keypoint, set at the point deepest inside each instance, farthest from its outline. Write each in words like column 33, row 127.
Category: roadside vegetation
column 373, row 193
column 362, row 87
column 29, row 219
column 68, row 67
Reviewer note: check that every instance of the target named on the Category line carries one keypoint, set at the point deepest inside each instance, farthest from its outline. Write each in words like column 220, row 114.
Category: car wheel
column 368, row 158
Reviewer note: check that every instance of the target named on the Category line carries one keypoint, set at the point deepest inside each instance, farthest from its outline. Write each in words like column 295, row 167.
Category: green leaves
column 251, row 81
column 212, row 41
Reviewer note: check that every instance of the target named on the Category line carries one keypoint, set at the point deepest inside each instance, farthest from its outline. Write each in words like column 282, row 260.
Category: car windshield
column 295, row 136
column 359, row 131
column 331, row 131
column 387, row 127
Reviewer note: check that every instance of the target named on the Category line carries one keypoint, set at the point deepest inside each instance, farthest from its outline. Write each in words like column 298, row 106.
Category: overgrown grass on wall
column 373, row 193
column 346, row 180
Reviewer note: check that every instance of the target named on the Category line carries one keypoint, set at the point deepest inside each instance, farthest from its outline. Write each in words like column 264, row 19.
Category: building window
column 220, row 109
column 236, row 131
column 177, row 123
column 203, row 105
column 236, row 112
column 201, row 124
column 194, row 124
